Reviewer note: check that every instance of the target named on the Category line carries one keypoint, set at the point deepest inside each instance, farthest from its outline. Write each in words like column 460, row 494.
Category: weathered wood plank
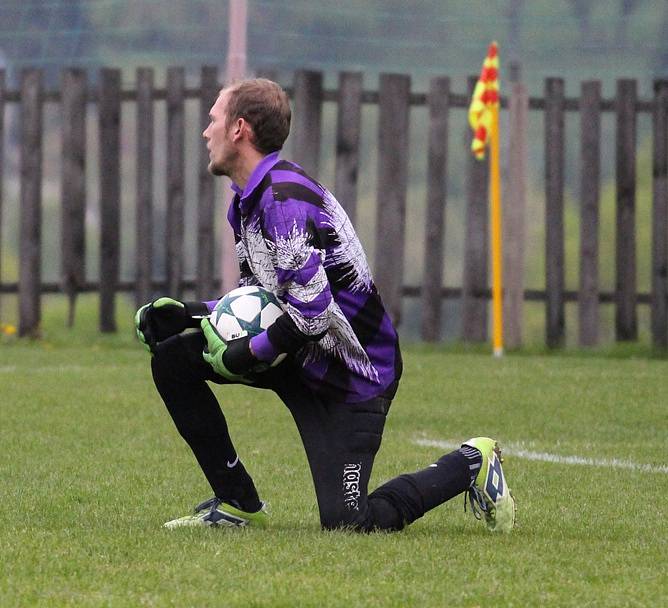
column 30, row 246
column 437, row 159
column 110, row 163
column 659, row 313
column 145, row 145
column 514, row 217
column 306, row 130
column 626, row 318
column 476, row 244
column 175, row 179
column 554, row 212
column 73, row 185
column 590, row 177
column 392, row 179
column 348, row 128
column 205, row 211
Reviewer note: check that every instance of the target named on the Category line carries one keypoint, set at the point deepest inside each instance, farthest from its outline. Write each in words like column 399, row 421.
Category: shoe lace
column 477, row 502
column 211, row 504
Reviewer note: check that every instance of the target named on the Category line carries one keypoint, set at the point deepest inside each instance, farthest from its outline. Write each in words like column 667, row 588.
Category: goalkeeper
column 343, row 365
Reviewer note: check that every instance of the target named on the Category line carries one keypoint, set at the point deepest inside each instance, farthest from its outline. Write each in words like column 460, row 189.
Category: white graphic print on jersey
column 259, row 256
column 341, row 342
column 349, row 253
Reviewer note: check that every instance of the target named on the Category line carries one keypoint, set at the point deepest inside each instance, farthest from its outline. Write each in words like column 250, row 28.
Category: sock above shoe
column 474, row 458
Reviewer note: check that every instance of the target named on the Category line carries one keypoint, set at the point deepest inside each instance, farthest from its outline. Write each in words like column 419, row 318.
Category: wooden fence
column 395, row 100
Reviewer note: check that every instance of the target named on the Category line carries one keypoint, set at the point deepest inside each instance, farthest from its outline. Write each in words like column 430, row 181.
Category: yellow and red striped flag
column 485, row 99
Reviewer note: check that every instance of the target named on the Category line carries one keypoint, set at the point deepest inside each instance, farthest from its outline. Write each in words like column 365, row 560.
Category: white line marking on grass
column 519, row 452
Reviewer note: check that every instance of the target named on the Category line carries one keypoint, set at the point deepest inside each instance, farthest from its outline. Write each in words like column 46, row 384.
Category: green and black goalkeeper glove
column 165, row 317
column 232, row 360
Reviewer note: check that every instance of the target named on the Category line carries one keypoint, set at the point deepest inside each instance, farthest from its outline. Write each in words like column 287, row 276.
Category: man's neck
column 247, row 164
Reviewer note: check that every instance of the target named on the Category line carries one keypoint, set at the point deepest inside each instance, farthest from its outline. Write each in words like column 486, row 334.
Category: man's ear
column 238, row 129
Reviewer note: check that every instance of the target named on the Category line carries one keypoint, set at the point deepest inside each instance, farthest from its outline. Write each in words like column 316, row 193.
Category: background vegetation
column 571, row 38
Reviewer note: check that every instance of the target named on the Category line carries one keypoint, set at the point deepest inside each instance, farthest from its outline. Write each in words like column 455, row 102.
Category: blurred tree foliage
column 575, row 39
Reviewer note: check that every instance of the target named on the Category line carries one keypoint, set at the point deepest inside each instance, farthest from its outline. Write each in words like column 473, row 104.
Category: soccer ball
column 246, row 311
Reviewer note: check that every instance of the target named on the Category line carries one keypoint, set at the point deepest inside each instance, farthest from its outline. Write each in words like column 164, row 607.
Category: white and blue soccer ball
column 246, row 311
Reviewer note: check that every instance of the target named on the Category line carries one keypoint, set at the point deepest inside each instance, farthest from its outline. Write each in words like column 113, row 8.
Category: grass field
column 91, row 467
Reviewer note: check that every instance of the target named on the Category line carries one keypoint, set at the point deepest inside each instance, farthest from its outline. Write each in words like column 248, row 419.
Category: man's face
column 220, row 139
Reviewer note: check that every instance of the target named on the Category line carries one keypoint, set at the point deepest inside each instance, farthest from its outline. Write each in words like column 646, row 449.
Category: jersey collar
column 263, row 167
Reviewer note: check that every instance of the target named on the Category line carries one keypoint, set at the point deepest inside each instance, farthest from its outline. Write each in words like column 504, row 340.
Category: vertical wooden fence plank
column 626, row 319
column 73, row 185
column 205, row 211
column 175, row 179
column 392, row 182
column 514, row 217
column 31, row 203
column 2, row 164
column 476, row 247
column 439, row 106
column 659, row 312
column 554, row 212
column 144, row 215
column 347, row 141
column 590, row 177
column 308, row 111
column 110, row 117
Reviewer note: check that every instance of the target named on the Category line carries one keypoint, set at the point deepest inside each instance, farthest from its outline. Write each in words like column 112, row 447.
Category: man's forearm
column 282, row 337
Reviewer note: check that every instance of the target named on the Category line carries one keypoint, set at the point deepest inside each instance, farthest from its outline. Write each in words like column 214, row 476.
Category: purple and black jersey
column 294, row 239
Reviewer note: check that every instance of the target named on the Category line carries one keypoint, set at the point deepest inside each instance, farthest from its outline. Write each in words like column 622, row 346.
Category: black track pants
column 340, row 439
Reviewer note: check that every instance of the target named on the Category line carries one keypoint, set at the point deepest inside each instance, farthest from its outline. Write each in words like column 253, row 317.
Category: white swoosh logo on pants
column 231, row 465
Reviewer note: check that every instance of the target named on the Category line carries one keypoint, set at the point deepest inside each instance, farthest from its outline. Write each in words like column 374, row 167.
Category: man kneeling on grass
column 343, row 364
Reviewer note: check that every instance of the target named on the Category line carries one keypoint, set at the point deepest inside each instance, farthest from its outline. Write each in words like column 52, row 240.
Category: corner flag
column 485, row 100
column 484, row 120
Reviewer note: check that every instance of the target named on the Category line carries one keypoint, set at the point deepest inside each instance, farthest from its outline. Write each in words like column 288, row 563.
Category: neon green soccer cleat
column 216, row 513
column 490, row 495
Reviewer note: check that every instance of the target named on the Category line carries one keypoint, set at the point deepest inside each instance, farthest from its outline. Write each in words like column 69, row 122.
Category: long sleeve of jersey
column 290, row 231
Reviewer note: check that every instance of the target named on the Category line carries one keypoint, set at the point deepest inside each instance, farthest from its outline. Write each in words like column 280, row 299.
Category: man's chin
column 216, row 170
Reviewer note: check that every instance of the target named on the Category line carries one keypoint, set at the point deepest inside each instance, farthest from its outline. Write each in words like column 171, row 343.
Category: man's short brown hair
column 265, row 106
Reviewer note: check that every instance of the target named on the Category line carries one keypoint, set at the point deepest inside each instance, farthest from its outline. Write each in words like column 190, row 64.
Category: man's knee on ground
column 334, row 518
column 378, row 515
